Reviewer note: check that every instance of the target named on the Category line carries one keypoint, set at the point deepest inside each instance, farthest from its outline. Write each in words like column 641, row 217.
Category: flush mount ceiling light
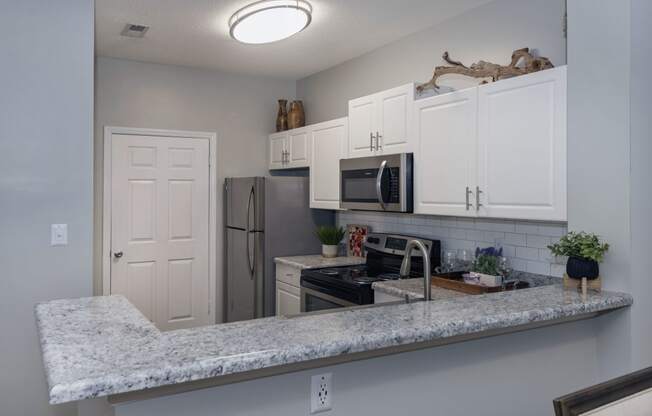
column 269, row 21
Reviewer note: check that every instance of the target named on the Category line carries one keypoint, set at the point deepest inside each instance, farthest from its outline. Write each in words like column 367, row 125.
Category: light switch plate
column 59, row 234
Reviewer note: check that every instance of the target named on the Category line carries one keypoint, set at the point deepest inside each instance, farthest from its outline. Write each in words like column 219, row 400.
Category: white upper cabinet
column 328, row 143
column 446, row 156
column 289, row 149
column 381, row 123
column 298, row 148
column 277, row 149
column 394, row 121
column 498, row 150
column 362, row 122
column 522, row 146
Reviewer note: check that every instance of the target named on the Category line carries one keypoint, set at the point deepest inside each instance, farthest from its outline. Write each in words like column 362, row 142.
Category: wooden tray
column 455, row 281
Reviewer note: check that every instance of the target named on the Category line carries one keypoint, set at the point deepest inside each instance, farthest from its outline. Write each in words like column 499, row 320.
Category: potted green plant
column 584, row 251
column 486, row 267
column 330, row 237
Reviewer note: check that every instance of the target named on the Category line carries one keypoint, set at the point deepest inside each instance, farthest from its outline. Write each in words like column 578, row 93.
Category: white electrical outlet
column 59, row 234
column 321, row 393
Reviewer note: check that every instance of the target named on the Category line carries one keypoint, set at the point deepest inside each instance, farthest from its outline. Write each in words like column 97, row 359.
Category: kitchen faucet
column 407, row 262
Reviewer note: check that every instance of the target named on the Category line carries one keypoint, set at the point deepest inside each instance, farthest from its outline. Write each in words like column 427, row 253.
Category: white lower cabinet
column 288, row 299
column 498, row 150
column 328, row 143
column 288, row 292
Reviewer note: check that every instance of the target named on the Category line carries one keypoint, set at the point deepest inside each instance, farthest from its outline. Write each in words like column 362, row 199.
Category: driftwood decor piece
column 523, row 62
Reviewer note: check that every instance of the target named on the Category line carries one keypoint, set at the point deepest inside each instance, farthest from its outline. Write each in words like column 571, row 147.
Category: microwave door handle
column 379, row 180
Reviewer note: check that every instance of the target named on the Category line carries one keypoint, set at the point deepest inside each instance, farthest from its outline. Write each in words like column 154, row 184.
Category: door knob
column 118, row 254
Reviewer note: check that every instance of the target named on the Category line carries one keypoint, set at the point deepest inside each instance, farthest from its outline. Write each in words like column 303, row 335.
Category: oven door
column 313, row 300
column 379, row 183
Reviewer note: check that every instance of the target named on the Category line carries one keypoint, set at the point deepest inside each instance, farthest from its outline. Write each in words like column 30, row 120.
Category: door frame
column 109, row 131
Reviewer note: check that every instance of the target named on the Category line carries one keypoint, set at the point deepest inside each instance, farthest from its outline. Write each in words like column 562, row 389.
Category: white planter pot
column 329, row 251
column 487, row 279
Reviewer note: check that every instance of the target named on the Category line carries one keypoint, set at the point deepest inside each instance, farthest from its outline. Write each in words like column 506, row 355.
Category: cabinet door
column 277, row 148
column 288, row 299
column 298, row 149
column 394, row 120
column 446, row 158
column 328, row 141
column 522, row 158
column 362, row 114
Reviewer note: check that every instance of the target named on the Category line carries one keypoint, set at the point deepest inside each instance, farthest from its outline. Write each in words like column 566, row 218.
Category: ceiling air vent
column 134, row 31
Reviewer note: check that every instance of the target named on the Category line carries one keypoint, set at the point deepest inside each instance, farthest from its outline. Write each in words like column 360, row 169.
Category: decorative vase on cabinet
column 282, row 116
column 296, row 116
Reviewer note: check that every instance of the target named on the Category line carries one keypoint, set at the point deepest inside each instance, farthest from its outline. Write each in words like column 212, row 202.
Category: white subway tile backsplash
column 537, row 241
column 552, row 230
column 515, row 239
column 527, row 253
column 491, row 225
column 465, row 223
column 524, row 242
column 538, row 267
column 527, row 228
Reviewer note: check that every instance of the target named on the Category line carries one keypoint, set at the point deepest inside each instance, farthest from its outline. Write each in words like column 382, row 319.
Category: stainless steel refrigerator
column 264, row 218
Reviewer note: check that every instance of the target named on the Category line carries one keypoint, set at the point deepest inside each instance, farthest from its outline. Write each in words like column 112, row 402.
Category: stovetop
column 351, row 275
column 385, row 253
column 357, row 275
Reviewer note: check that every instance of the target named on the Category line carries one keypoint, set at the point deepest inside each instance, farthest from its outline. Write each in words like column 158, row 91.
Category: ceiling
column 195, row 33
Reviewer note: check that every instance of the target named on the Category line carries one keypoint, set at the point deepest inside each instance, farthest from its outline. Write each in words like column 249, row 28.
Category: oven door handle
column 379, row 180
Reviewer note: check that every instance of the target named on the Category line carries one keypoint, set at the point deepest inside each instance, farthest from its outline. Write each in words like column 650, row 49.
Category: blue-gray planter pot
column 578, row 267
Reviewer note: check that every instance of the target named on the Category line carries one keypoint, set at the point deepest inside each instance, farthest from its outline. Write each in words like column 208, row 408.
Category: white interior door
column 160, row 227
column 395, row 119
column 328, row 140
column 362, row 114
column 522, row 158
column 447, row 134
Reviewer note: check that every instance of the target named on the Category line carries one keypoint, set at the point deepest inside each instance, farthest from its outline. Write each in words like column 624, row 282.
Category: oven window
column 313, row 304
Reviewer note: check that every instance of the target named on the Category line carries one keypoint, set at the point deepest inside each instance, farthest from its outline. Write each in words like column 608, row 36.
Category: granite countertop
column 316, row 261
column 413, row 289
column 103, row 346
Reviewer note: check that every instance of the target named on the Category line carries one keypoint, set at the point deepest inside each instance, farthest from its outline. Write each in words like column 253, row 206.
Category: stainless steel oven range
column 339, row 287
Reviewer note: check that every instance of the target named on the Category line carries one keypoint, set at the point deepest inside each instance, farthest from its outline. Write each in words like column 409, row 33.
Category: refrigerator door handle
column 249, row 234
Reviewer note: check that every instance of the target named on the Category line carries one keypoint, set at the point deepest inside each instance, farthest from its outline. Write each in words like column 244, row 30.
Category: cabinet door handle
column 477, row 198
column 378, row 146
column 371, row 142
column 469, row 192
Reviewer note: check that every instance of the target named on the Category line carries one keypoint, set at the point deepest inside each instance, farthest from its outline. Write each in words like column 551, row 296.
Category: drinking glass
column 504, row 267
column 465, row 259
column 449, row 262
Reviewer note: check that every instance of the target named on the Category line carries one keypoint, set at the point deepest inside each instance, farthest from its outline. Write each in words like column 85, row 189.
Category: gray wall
column 46, row 138
column 490, row 32
column 609, row 114
column 517, row 374
column 240, row 109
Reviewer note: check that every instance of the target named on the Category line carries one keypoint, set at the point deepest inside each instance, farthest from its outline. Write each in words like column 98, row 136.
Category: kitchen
column 251, row 300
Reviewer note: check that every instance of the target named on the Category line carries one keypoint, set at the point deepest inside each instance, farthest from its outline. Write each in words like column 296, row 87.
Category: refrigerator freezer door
column 241, row 282
column 240, row 195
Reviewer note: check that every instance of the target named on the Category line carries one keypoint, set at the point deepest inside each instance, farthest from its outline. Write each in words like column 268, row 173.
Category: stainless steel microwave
column 377, row 183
